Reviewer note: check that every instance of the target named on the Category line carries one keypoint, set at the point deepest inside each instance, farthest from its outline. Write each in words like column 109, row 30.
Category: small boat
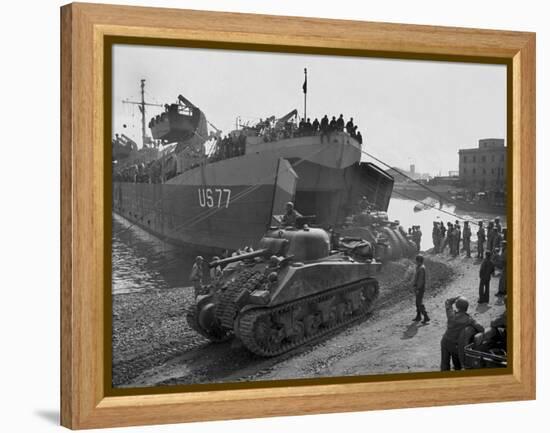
column 427, row 203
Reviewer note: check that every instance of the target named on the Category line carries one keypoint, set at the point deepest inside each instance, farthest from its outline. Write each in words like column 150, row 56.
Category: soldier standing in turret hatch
column 291, row 215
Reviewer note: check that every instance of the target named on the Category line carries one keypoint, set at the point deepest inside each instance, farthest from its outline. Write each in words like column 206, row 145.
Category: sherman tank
column 291, row 291
column 388, row 238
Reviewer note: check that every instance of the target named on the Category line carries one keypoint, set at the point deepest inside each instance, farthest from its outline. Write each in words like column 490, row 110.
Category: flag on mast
column 304, row 86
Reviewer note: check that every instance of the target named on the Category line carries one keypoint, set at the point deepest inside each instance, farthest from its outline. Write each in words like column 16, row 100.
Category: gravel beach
column 153, row 345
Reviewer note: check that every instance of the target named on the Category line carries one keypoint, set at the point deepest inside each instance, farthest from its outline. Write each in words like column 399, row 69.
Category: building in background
column 484, row 168
column 400, row 175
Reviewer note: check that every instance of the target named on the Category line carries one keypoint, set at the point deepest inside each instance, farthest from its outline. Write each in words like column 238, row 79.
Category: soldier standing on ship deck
column 350, row 127
column 315, row 125
column 340, row 123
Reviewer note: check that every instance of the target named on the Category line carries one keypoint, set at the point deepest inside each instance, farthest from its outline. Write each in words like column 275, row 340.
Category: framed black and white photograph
column 312, row 215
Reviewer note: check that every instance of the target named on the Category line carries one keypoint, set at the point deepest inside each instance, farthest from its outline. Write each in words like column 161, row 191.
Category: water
column 141, row 261
column 403, row 210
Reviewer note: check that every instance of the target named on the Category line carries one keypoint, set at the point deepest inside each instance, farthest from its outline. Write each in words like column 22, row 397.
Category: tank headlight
column 260, row 297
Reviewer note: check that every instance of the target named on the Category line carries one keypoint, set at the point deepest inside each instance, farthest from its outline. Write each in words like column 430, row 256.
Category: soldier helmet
column 462, row 304
column 199, row 258
column 290, row 204
column 272, row 277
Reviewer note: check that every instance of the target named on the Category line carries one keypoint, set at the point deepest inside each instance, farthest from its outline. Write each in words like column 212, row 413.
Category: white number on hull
column 209, row 197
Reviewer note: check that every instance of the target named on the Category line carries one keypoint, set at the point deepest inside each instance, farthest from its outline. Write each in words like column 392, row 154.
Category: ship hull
column 229, row 204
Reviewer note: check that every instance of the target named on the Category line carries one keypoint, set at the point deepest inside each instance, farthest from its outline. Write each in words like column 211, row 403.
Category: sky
column 408, row 111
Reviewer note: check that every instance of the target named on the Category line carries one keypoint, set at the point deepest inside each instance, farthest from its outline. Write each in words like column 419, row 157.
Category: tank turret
column 290, row 291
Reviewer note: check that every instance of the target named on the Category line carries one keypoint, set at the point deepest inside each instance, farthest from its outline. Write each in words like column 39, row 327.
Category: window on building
column 492, row 171
column 474, row 169
column 474, row 158
column 465, row 158
column 492, row 158
column 483, row 158
column 502, row 157
column 484, row 171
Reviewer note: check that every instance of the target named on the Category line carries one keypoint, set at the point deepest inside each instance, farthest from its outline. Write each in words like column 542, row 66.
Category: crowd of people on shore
column 491, row 249
column 454, row 236
column 461, row 327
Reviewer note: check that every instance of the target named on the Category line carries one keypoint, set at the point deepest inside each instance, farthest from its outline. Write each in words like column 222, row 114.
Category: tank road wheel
column 310, row 325
column 332, row 317
column 341, row 311
column 369, row 293
column 298, row 331
column 268, row 334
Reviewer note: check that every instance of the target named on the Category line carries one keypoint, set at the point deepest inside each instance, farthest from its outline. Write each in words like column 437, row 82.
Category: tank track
column 227, row 308
column 218, row 335
column 251, row 319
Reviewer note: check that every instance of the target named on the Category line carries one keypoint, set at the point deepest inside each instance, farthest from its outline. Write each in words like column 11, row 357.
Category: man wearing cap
column 486, row 271
column 480, row 240
column 466, row 235
column 289, row 218
column 419, row 288
column 502, row 281
column 457, row 321
column 436, row 237
column 197, row 275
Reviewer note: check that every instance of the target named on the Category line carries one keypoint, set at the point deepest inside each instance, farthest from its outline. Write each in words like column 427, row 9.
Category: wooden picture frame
column 85, row 212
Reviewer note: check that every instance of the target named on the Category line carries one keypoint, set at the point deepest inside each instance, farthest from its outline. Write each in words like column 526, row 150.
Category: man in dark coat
column 419, row 285
column 436, row 237
column 486, row 271
column 480, row 240
column 457, row 321
column 466, row 235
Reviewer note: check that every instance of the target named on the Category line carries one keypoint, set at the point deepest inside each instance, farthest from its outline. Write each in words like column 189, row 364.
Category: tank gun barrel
column 250, row 255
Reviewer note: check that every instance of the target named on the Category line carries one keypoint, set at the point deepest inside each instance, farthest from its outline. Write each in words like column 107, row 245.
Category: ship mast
column 141, row 105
